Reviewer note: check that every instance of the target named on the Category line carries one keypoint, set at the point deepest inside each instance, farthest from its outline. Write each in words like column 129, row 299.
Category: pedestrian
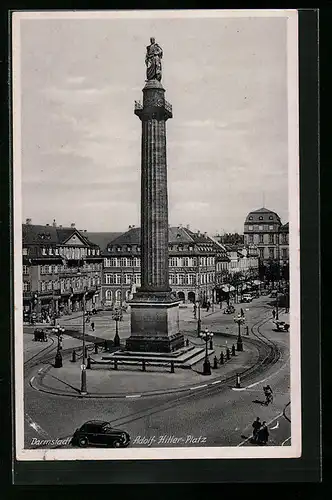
column 195, row 309
column 92, row 326
column 256, row 426
column 242, row 312
column 208, row 305
column 263, row 434
column 273, row 313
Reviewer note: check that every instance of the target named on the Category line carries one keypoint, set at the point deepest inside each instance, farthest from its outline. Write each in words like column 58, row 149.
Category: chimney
column 129, row 227
column 188, row 226
column 205, row 235
column 60, row 226
column 54, row 223
column 72, row 225
column 198, row 232
column 85, row 230
column 47, row 225
column 28, row 221
column 180, row 226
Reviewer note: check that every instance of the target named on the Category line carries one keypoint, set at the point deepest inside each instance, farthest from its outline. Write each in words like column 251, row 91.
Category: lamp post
column 83, row 365
column 239, row 320
column 117, row 315
column 206, row 336
column 58, row 331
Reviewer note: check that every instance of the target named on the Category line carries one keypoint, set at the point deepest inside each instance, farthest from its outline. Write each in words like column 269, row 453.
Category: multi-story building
column 60, row 265
column 192, row 265
column 264, row 229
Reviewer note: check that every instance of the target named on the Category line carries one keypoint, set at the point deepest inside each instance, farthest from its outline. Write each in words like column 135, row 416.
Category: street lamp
column 117, row 316
column 83, row 366
column 240, row 321
column 206, row 336
column 58, row 331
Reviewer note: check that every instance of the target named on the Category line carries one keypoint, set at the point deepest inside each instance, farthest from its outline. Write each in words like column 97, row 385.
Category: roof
column 175, row 235
column 262, row 215
column 285, row 228
column 101, row 239
column 34, row 234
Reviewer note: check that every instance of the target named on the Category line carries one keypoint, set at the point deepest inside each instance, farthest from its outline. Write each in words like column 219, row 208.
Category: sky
column 227, row 147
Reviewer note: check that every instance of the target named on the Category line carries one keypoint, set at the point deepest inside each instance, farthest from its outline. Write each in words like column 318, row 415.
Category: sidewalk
column 105, row 382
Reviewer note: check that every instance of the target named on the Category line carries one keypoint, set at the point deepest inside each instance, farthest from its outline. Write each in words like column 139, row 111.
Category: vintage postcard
column 156, row 232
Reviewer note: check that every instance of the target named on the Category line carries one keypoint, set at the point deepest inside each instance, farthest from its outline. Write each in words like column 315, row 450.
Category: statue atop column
column 153, row 58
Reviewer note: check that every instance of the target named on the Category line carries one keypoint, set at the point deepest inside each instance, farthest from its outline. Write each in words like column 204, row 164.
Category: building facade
column 60, row 266
column 263, row 228
column 193, row 258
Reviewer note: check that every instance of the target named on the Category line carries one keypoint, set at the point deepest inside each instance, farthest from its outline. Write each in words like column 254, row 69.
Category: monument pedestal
column 154, row 323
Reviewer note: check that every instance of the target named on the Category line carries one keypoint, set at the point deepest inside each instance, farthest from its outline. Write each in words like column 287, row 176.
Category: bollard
column 215, row 362
column 172, row 366
column 247, row 330
column 115, row 364
column 211, row 344
column 221, row 361
column 228, row 353
column 96, row 349
column 238, row 382
column 233, row 350
column 143, row 365
column 187, row 342
column 86, row 352
column 73, row 356
column 88, row 365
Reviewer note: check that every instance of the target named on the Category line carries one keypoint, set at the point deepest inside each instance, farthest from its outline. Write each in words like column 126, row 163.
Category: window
column 118, row 279
column 251, row 238
column 118, row 297
column 26, row 286
column 173, row 262
column 284, row 239
column 261, row 253
column 113, row 262
column 181, row 279
column 25, row 270
column 251, row 228
column 191, row 279
column 260, row 228
column 136, row 262
column 271, row 217
column 128, row 248
column 123, row 262
column 185, row 261
column 128, row 278
column 271, row 238
column 49, row 285
column 250, row 218
column 109, row 279
column 271, row 228
column 172, row 279
column 53, row 269
column 261, row 238
column 50, row 251
column 118, row 249
column 107, row 262
column 271, row 253
column 108, row 295
column 43, row 251
column 137, row 279
column 24, row 251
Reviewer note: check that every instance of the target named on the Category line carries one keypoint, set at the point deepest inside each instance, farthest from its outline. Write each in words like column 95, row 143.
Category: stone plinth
column 154, row 323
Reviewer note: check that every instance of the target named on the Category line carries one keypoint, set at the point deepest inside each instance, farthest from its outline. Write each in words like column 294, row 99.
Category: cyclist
column 268, row 394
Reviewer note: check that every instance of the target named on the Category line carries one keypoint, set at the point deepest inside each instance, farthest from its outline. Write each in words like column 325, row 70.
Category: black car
column 100, row 433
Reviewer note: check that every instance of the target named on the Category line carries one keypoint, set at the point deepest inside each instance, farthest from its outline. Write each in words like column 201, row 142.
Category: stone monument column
column 154, row 310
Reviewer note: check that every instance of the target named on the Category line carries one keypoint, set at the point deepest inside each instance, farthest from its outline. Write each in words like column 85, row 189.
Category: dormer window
column 260, row 217
column 250, row 218
column 270, row 217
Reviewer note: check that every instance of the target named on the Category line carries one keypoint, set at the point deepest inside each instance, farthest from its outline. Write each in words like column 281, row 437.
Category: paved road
column 220, row 416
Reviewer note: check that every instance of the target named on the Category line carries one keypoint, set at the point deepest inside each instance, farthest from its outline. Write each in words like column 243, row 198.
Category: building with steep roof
column 60, row 265
column 263, row 228
column 193, row 257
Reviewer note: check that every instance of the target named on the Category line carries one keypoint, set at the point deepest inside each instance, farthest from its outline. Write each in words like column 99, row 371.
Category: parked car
column 40, row 335
column 247, row 297
column 100, row 433
column 282, row 326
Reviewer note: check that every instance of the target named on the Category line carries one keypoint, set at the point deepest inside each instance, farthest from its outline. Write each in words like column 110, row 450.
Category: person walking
column 256, row 426
column 263, row 434
column 93, row 326
column 273, row 314
column 195, row 310
column 242, row 312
